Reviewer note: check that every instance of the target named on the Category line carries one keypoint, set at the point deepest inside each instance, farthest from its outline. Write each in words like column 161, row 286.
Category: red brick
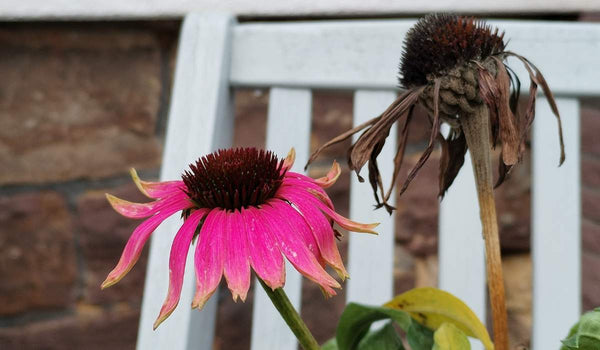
column 332, row 115
column 115, row 330
column 103, row 234
column 251, row 118
column 590, row 204
column 77, row 103
column 590, row 124
column 37, row 253
column 590, row 271
column 590, row 171
column 234, row 320
column 417, row 214
column 590, row 236
column 513, row 202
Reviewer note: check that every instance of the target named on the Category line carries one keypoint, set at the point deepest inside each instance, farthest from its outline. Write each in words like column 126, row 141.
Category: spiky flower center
column 438, row 43
column 234, row 178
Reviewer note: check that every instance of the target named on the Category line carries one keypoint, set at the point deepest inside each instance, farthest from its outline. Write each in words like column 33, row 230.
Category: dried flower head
column 246, row 210
column 451, row 65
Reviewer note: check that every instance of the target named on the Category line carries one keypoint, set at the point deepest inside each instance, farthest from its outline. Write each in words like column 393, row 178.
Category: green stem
column 291, row 317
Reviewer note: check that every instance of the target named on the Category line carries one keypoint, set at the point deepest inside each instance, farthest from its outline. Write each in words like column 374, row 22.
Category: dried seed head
column 234, row 178
column 438, row 43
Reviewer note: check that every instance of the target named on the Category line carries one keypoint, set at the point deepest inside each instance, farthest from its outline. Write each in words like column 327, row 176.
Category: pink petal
column 136, row 242
column 265, row 256
column 299, row 181
column 293, row 247
column 331, row 176
column 289, row 160
column 237, row 264
column 142, row 210
column 344, row 222
column 156, row 189
column 308, row 208
column 296, row 220
column 209, row 256
column 179, row 252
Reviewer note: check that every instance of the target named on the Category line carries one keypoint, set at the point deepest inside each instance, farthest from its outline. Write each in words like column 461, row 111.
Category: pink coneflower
column 245, row 210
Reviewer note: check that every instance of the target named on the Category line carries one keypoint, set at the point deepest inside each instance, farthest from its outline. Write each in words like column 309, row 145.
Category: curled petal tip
column 109, row 281
column 138, row 182
column 290, row 159
column 164, row 314
column 331, row 177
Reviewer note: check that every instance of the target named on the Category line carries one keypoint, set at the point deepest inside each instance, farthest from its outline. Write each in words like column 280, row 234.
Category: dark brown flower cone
column 476, row 127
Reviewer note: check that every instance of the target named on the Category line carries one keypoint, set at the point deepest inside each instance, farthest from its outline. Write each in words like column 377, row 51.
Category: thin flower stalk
column 454, row 68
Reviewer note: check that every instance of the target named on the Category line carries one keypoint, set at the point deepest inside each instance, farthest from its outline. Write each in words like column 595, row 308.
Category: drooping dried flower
column 451, row 65
column 246, row 210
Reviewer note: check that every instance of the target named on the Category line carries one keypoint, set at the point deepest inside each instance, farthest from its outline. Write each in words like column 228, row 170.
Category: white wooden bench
column 217, row 54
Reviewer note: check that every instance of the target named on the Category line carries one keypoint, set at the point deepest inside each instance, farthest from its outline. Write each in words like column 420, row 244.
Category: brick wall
column 80, row 103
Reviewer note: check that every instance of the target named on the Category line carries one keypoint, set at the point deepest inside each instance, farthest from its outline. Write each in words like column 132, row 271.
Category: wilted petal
column 306, row 183
column 142, row 210
column 344, row 222
column 308, row 207
column 156, row 189
column 237, row 265
column 331, row 177
column 509, row 134
column 209, row 257
column 293, row 247
column 289, row 160
column 136, row 242
column 179, row 252
column 265, row 256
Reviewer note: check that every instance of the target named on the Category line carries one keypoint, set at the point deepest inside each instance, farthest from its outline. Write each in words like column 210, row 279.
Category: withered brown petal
column 340, row 138
column 503, row 171
column 435, row 128
column 490, row 96
column 363, row 147
column 374, row 175
column 399, row 157
column 509, row 134
column 539, row 79
column 453, row 158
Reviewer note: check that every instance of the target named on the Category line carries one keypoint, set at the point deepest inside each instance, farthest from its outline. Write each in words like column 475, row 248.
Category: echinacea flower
column 245, row 210
column 451, row 65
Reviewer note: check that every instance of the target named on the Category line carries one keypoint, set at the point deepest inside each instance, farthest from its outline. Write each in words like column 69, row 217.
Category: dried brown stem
column 476, row 128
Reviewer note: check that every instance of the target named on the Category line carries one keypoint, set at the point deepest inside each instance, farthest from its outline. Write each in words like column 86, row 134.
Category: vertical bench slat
column 371, row 258
column 461, row 245
column 556, row 225
column 200, row 120
column 289, row 122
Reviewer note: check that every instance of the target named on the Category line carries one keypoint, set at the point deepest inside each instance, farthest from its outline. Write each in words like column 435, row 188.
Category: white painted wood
column 461, row 247
column 365, row 54
column 556, row 225
column 200, row 120
column 39, row 9
column 371, row 258
column 289, row 122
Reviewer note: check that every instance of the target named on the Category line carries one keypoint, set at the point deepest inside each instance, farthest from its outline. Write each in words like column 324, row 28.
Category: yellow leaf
column 449, row 337
column 433, row 307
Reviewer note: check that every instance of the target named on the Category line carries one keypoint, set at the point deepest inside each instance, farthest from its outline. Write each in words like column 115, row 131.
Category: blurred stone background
column 80, row 103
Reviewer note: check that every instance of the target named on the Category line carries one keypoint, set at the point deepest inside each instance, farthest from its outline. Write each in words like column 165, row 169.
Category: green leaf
column 331, row 344
column 449, row 337
column 585, row 334
column 357, row 319
column 419, row 337
column 433, row 307
column 385, row 338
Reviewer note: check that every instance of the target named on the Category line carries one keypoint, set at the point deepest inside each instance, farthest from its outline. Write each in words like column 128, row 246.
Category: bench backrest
column 217, row 54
